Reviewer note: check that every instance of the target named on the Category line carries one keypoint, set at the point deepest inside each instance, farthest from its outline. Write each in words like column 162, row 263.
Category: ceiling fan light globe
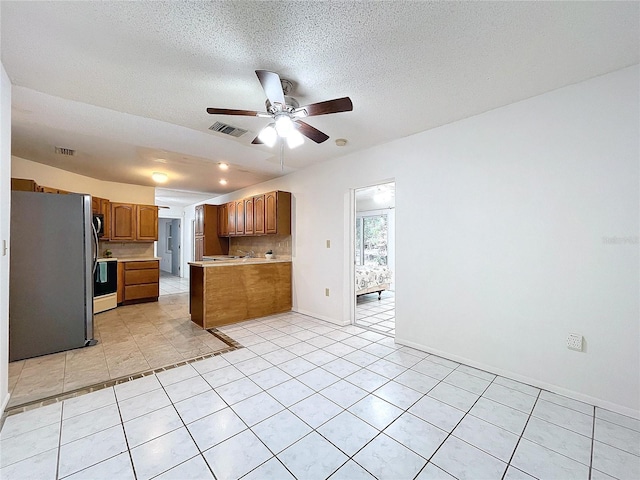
column 284, row 126
column 268, row 135
column 294, row 139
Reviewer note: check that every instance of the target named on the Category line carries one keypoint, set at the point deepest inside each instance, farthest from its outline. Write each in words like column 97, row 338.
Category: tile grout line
column 593, row 441
column 522, row 433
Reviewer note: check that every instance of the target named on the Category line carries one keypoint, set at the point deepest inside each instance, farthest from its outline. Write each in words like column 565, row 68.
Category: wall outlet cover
column 574, row 342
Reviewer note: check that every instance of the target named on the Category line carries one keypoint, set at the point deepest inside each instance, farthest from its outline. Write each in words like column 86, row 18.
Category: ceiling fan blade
column 257, row 141
column 231, row 111
column 270, row 82
column 310, row 132
column 330, row 106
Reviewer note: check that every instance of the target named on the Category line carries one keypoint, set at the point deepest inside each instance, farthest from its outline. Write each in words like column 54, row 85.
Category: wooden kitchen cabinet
column 141, row 281
column 24, row 185
column 239, row 217
column 207, row 240
column 146, row 223
column 123, row 221
column 198, row 251
column 248, row 216
column 95, row 204
column 277, row 212
column 266, row 214
column 258, row 215
column 225, row 294
column 130, row 222
column 103, row 206
column 199, row 220
column 223, row 220
column 120, row 291
column 231, row 217
column 105, row 210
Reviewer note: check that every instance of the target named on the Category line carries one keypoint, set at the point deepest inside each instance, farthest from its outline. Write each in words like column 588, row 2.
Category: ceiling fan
column 286, row 113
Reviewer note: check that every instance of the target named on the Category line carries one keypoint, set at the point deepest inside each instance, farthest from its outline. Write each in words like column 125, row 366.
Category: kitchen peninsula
column 233, row 290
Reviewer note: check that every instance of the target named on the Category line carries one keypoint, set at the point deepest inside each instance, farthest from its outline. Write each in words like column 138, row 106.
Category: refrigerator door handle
column 95, row 251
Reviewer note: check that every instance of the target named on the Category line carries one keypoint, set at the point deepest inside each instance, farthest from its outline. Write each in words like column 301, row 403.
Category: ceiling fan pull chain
column 281, row 154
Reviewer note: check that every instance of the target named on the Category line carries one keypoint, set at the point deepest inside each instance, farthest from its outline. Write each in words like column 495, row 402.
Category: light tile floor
column 378, row 315
column 308, row 400
column 131, row 339
column 171, row 284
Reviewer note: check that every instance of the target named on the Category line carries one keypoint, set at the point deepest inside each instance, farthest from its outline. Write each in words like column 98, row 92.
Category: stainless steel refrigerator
column 52, row 259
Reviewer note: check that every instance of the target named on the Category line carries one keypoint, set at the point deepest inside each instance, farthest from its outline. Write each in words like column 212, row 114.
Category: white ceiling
column 126, row 84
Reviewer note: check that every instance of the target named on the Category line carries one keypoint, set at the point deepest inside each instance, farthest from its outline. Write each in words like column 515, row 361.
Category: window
column 372, row 236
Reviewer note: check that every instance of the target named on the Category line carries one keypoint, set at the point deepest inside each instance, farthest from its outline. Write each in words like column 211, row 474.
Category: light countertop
column 137, row 259
column 239, row 261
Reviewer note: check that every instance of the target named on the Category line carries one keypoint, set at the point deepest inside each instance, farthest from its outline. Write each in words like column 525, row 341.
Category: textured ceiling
column 126, row 84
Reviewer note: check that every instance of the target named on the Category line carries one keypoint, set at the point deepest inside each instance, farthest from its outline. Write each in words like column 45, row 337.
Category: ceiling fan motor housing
column 290, row 105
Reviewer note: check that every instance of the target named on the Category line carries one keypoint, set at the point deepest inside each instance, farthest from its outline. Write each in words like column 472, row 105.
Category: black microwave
column 98, row 224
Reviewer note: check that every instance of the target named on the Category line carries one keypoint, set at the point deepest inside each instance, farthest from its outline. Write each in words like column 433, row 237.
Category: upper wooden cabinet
column 223, row 220
column 266, row 214
column 248, row 216
column 277, row 213
column 207, row 241
column 239, row 217
column 95, row 204
column 199, row 220
column 24, row 184
column 231, row 216
column 130, row 222
column 258, row 215
column 123, row 219
column 146, row 223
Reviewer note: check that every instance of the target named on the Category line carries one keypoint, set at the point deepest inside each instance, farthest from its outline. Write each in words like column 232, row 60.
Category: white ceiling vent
column 227, row 129
column 65, row 151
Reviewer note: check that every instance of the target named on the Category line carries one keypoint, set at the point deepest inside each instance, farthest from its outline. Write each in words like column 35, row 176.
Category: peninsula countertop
column 137, row 259
column 239, row 261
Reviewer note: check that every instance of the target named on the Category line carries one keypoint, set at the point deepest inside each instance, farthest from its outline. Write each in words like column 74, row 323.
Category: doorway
column 169, row 251
column 374, row 258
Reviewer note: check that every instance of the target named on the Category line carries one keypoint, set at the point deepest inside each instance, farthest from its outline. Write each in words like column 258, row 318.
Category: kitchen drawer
column 141, row 265
column 135, row 292
column 135, row 277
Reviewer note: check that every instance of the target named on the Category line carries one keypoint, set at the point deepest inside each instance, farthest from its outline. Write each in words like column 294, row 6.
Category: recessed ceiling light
column 223, row 166
column 341, row 142
column 223, row 181
column 159, row 177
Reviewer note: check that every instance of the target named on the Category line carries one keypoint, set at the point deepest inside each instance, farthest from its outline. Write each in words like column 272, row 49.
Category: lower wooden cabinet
column 141, row 281
column 120, row 294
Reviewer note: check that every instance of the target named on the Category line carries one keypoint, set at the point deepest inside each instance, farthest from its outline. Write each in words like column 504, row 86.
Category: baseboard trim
column 598, row 402
column 5, row 402
column 322, row 317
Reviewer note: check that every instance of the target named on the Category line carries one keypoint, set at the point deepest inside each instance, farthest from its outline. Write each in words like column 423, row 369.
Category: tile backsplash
column 280, row 244
column 127, row 249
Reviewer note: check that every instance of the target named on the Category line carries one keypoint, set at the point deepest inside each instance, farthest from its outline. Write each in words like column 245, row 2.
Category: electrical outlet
column 328, row 243
column 326, row 292
column 574, row 342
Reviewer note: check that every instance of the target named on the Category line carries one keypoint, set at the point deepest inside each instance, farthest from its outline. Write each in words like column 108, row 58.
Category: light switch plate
column 328, row 243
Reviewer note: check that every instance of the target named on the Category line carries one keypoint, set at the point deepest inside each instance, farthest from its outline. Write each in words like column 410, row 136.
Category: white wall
column 5, row 220
column 500, row 223
column 56, row 178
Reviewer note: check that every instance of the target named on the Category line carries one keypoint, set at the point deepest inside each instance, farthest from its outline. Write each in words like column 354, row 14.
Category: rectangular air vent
column 65, row 151
column 227, row 129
